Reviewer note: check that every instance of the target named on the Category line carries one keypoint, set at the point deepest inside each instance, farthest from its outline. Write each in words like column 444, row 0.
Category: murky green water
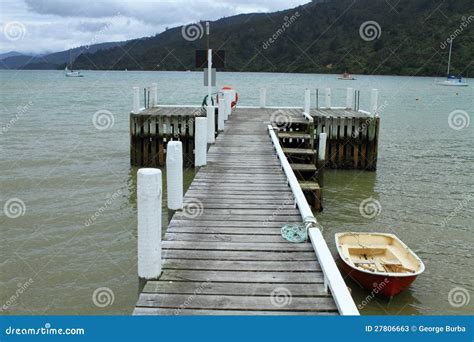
column 78, row 230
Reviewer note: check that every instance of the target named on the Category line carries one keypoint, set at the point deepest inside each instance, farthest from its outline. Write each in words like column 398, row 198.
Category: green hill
column 319, row 37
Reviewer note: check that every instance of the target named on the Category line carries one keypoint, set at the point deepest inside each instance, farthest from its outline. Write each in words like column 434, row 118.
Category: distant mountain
column 9, row 54
column 56, row 60
column 320, row 37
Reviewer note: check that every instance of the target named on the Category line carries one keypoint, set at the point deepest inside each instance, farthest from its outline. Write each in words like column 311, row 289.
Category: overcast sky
column 38, row 26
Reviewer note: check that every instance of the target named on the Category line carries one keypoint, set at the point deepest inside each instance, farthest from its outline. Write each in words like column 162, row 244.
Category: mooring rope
column 298, row 232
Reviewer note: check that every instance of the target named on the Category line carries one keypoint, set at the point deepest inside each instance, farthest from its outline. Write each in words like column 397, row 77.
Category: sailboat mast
column 449, row 59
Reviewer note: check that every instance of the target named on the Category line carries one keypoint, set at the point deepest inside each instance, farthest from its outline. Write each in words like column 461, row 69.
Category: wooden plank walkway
column 223, row 255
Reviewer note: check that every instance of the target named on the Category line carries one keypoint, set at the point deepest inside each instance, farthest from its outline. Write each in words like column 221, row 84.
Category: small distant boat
column 72, row 73
column 346, row 77
column 379, row 262
column 452, row 80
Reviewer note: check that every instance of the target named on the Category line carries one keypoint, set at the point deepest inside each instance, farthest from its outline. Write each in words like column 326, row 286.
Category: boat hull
column 387, row 286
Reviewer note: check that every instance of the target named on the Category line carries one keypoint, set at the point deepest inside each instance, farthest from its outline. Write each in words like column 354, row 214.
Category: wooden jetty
column 223, row 253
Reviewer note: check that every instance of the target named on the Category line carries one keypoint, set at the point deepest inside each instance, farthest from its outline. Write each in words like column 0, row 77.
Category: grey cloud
column 91, row 26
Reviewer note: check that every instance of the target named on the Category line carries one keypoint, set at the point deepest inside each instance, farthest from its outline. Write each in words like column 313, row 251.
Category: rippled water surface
column 78, row 230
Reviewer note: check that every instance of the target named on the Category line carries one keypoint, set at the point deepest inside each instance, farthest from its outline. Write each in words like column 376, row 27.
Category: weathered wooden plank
column 237, row 246
column 237, row 255
column 235, row 302
column 230, row 265
column 219, row 312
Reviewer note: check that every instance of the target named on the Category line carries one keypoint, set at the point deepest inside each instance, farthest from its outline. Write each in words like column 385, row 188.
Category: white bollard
column 136, row 100
column 221, row 114
column 228, row 103
column 154, row 95
column 349, row 98
column 328, row 97
column 200, row 142
column 174, row 174
column 263, row 97
column 149, row 189
column 321, row 158
column 211, row 125
column 307, row 101
column 374, row 102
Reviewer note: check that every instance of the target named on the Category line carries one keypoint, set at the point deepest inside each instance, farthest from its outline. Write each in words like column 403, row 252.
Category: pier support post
column 221, row 114
column 149, row 197
column 307, row 101
column 349, row 98
column 174, row 176
column 321, row 158
column 228, row 103
column 263, row 97
column 136, row 100
column 374, row 102
column 328, row 97
column 211, row 124
column 154, row 95
column 200, row 142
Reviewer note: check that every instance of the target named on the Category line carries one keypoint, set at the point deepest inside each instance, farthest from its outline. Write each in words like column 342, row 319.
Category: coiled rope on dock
column 298, row 232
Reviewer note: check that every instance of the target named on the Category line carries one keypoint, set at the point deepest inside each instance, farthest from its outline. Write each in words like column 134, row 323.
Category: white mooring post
column 149, row 197
column 154, row 95
column 221, row 114
column 211, row 124
column 374, row 102
column 136, row 100
column 321, row 158
column 328, row 97
column 174, row 176
column 200, row 142
column 263, row 97
column 349, row 98
column 228, row 103
column 307, row 101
